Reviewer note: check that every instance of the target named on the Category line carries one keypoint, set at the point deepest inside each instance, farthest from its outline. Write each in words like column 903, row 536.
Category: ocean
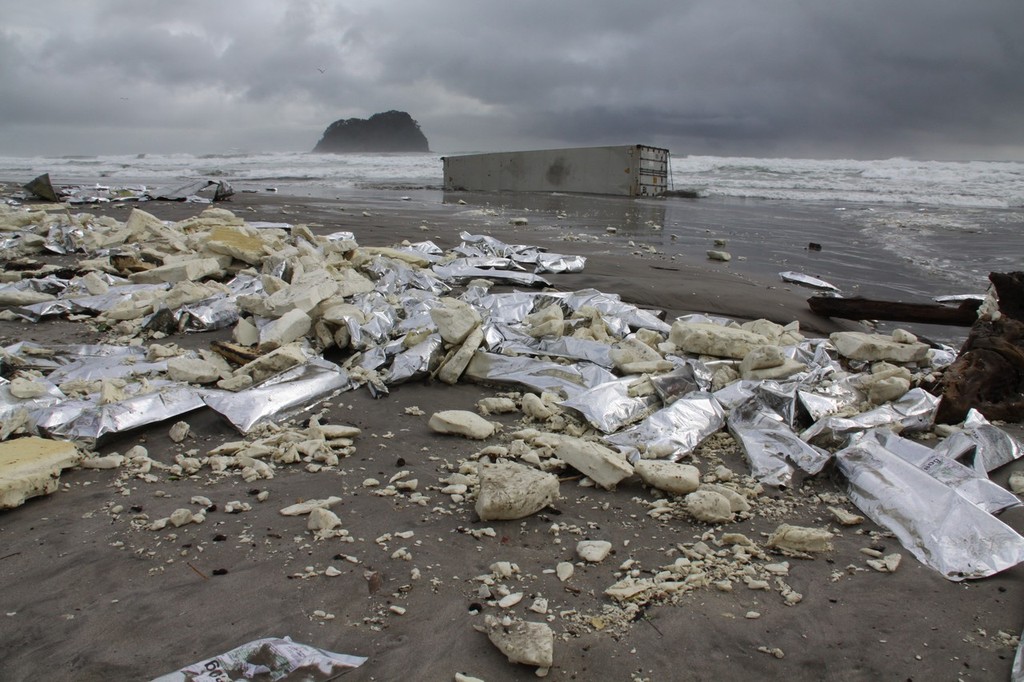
column 896, row 228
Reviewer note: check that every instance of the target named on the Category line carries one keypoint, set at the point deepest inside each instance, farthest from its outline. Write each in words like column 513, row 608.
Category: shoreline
column 96, row 596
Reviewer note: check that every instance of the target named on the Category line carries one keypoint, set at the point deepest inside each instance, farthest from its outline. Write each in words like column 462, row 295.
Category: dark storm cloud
column 788, row 77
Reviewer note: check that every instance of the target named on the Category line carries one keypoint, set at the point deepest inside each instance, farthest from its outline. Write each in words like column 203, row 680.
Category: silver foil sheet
column 609, row 407
column 940, row 527
column 807, row 281
column 915, row 411
column 990, row 446
column 90, row 305
column 542, row 261
column 415, row 362
column 395, row 277
column 771, row 446
column 508, row 308
column 828, row 396
column 218, row 311
column 282, row 395
column 536, row 375
column 268, row 659
column 30, row 355
column 564, row 347
column 456, row 271
column 976, row 487
column 94, row 421
column 613, row 310
column 689, row 376
column 13, row 408
column 674, row 431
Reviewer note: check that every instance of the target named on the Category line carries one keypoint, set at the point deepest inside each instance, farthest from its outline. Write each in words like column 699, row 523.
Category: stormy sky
column 798, row 78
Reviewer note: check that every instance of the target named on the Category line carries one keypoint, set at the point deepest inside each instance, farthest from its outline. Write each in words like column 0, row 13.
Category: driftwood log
column 963, row 315
column 988, row 373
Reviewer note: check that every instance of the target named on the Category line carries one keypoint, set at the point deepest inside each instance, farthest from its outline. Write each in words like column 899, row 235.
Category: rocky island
column 390, row 131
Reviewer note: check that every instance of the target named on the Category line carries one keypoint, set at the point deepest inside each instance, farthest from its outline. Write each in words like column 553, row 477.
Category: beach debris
column 716, row 254
column 179, row 431
column 303, row 508
column 988, row 373
column 672, row 477
column 275, row 658
column 593, row 551
column 462, row 677
column 886, row 564
column 461, row 423
column 845, row 517
column 963, row 315
column 709, row 506
column 875, row 347
column 964, row 542
column 508, row 490
column 42, row 188
column 31, row 466
column 807, row 280
column 800, row 539
column 768, row 363
column 604, row 466
column 521, row 641
column 640, row 384
column 703, row 338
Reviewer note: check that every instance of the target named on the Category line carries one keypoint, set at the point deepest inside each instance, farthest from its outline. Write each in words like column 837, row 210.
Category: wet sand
column 88, row 597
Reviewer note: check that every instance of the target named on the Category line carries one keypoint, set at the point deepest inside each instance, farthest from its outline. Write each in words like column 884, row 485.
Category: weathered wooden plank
column 963, row 315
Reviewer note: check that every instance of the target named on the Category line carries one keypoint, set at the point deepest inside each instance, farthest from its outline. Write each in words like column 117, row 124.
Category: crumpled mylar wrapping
column 14, row 411
column 940, row 527
column 270, row 658
column 828, row 396
column 536, row 375
column 618, row 316
column 674, row 431
column 992, row 447
column 84, row 303
column 92, row 421
column 415, row 362
column 976, row 487
column 64, row 362
column 507, row 308
column 689, row 375
column 483, row 245
column 771, row 446
column 563, row 347
column 282, row 395
column 609, row 407
column 915, row 411
column 459, row 270
column 219, row 311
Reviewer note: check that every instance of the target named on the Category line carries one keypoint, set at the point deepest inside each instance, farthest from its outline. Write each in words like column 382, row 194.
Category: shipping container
column 626, row 170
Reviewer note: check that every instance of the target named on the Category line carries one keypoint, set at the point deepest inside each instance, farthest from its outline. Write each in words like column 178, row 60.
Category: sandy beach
column 89, row 593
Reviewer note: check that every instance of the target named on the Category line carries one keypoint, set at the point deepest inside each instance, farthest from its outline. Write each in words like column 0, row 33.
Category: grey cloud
column 917, row 77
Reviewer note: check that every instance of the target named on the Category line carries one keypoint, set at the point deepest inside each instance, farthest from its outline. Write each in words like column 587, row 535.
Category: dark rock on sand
column 390, row 131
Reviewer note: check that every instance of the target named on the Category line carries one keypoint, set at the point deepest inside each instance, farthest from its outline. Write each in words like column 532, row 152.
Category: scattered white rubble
column 672, row 477
column 461, row 423
column 522, row 641
column 508, row 490
column 800, row 539
column 875, row 347
column 604, row 466
column 709, row 506
column 593, row 551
